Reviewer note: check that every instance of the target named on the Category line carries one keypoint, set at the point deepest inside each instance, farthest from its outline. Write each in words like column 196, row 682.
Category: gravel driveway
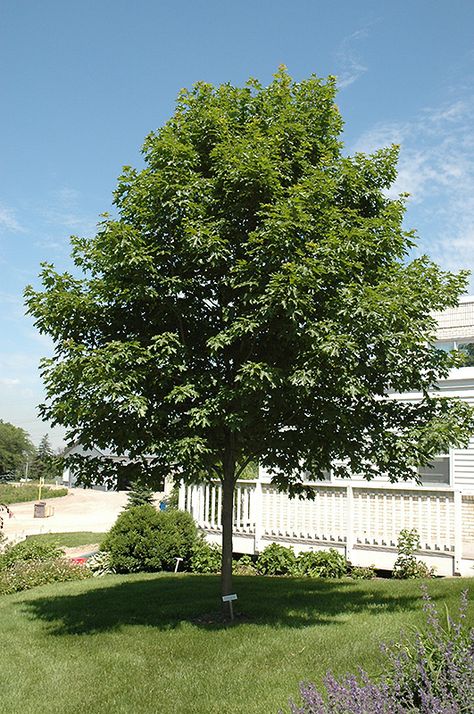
column 81, row 510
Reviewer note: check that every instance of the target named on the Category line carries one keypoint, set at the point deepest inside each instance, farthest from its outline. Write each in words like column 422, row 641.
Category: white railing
column 346, row 515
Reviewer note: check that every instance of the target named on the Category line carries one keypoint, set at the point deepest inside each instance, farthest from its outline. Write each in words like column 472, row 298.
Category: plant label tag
column 228, row 598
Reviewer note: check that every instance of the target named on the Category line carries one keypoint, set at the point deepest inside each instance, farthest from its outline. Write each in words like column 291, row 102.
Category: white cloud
column 24, row 362
column 8, row 220
column 53, row 243
column 9, row 299
column 351, row 67
column 64, row 211
column 436, row 168
column 9, row 382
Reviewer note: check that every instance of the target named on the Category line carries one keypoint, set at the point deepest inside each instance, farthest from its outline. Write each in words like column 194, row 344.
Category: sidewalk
column 80, row 510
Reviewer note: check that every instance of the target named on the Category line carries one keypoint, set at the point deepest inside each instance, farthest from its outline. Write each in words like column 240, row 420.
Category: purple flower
column 433, row 673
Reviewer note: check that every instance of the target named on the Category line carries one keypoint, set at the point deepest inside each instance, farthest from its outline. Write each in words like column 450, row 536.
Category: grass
column 133, row 644
column 69, row 540
column 10, row 493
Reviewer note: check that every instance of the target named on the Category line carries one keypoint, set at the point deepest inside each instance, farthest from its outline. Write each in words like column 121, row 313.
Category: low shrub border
column 29, row 550
column 27, row 574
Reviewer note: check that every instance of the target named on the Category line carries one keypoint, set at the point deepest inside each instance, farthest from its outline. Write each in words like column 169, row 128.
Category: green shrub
column 358, row 572
column 144, row 539
column 321, row 564
column 30, row 550
column 132, row 540
column 406, row 565
column 206, row 557
column 177, row 536
column 244, row 566
column 276, row 560
column 100, row 564
column 26, row 574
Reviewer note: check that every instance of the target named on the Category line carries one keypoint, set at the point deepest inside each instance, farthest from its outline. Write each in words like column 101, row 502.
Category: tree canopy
column 15, row 448
column 252, row 300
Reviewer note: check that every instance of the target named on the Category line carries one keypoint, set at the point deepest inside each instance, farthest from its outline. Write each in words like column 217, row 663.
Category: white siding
column 463, row 467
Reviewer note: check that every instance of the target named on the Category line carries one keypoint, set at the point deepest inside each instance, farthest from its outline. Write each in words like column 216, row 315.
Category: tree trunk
column 228, row 485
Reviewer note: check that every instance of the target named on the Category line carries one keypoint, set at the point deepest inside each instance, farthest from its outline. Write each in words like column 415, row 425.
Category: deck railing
column 346, row 515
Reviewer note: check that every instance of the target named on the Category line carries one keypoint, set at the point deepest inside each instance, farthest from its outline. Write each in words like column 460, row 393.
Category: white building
column 363, row 519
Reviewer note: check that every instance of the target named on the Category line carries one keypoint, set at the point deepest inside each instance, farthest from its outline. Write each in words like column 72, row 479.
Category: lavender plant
column 431, row 673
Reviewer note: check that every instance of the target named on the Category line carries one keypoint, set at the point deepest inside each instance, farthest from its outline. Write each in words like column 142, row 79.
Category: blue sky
column 82, row 83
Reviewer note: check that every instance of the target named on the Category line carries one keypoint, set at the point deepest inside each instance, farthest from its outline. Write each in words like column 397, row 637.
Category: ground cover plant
column 100, row 564
column 28, row 574
column 135, row 642
column 205, row 557
column 321, row 564
column 29, row 550
column 276, row 559
column 20, row 493
column 30, row 563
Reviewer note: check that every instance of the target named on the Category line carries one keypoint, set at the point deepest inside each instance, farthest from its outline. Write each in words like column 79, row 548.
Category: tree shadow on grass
column 166, row 601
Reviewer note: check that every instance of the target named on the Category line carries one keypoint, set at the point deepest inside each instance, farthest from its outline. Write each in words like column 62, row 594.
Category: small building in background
column 70, row 475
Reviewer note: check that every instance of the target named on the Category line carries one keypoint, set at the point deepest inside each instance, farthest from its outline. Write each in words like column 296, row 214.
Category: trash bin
column 40, row 509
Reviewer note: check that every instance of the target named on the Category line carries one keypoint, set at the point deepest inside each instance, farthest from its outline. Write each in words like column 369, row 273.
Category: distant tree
column 15, row 449
column 252, row 301
column 46, row 463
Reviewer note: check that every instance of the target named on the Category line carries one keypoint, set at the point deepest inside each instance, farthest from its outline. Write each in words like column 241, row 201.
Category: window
column 445, row 346
column 437, row 473
column 308, row 476
column 467, row 348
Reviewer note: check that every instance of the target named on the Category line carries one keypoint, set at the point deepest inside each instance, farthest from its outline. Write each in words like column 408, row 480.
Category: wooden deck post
column 349, row 522
column 257, row 510
column 457, row 531
column 182, row 496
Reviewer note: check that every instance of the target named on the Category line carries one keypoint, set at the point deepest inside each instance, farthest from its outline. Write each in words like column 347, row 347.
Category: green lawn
column 12, row 493
column 129, row 643
column 69, row 540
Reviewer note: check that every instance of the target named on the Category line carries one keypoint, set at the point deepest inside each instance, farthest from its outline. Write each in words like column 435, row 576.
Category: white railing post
column 182, row 496
column 201, row 503
column 257, row 510
column 349, row 522
column 457, row 531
